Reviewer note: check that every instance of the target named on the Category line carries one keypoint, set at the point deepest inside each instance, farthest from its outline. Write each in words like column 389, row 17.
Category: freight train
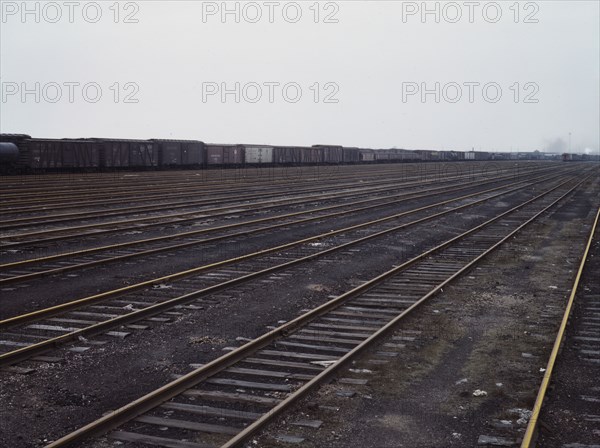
column 20, row 153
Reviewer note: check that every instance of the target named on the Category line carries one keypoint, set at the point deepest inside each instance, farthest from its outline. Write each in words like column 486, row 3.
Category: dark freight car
column 169, row 152
column 366, row 155
column 129, row 153
column 224, row 154
column 180, row 152
column 331, row 154
column 382, row 155
column 287, row 155
column 143, row 154
column 84, row 154
column 477, row 155
column 193, row 153
column 351, row 155
column 115, row 153
column 44, row 154
column 421, row 154
column 391, row 155
column 311, row 156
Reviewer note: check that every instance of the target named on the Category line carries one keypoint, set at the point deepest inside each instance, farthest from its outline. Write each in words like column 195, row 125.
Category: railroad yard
column 441, row 304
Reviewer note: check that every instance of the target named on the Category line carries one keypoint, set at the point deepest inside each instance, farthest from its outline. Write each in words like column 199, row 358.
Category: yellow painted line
column 528, row 439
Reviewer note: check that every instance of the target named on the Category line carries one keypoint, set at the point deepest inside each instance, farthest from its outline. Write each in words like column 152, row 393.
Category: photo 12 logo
column 270, row 92
column 270, row 12
column 69, row 92
column 69, row 12
column 471, row 12
column 469, row 91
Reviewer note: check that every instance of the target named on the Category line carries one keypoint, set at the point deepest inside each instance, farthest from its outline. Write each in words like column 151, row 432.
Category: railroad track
column 231, row 196
column 62, row 187
column 58, row 263
column 148, row 192
column 278, row 368
column 138, row 224
column 590, row 351
column 103, row 187
column 236, row 202
column 238, row 192
column 34, row 334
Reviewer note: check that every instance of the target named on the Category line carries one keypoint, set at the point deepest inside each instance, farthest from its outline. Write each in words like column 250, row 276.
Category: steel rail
column 63, row 190
column 230, row 197
column 265, row 182
column 238, row 187
column 256, row 178
column 531, row 431
column 23, row 353
column 252, row 175
column 351, row 189
column 235, row 204
column 39, row 274
column 176, row 219
column 176, row 387
column 226, row 197
column 188, row 272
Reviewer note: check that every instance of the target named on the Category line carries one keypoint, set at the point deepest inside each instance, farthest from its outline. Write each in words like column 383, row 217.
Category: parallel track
column 236, row 204
column 74, row 260
column 175, row 188
column 46, row 188
column 144, row 300
column 277, row 369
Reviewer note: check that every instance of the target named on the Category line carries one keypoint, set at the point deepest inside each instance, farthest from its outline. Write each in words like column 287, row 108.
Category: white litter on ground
column 323, row 363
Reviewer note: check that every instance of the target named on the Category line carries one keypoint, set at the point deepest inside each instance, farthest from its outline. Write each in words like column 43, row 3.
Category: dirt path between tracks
column 473, row 370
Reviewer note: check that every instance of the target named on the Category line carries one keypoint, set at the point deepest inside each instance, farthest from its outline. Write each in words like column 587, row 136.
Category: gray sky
column 361, row 70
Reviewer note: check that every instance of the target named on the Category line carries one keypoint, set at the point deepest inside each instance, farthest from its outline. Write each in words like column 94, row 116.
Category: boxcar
column 54, row 154
column 129, row 153
column 44, row 154
column 224, row 154
column 255, row 155
column 143, row 154
column 287, row 155
column 169, row 152
column 422, row 154
column 481, row 155
column 180, row 152
column 452, row 155
column 366, row 155
column 397, row 155
column 331, row 154
column 80, row 154
column 115, row 154
column 351, row 155
column 382, row 155
column 193, row 153
column 311, row 156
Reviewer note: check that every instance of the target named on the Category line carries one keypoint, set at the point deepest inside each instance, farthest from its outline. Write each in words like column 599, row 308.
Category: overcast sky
column 493, row 76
